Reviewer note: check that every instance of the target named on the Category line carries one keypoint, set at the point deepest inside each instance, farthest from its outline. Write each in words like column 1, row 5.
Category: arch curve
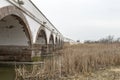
column 13, row 11
column 51, row 39
column 41, row 33
column 40, row 42
column 51, row 43
column 15, row 35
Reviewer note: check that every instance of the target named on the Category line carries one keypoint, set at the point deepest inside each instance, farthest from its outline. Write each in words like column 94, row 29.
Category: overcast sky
column 83, row 19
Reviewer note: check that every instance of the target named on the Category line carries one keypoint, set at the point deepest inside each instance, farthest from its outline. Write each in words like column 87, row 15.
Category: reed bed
column 74, row 60
column 86, row 58
column 50, row 69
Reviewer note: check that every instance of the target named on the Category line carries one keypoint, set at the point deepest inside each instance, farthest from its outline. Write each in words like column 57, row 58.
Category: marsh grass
column 76, row 60
column 86, row 58
column 48, row 70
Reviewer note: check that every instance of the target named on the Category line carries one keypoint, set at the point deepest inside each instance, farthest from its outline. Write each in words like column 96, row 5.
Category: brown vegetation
column 86, row 58
column 48, row 69
column 79, row 59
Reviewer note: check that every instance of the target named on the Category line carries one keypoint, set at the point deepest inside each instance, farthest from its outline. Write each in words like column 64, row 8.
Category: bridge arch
column 59, row 42
column 51, row 43
column 15, row 34
column 41, row 37
column 56, row 42
column 16, row 13
column 41, row 41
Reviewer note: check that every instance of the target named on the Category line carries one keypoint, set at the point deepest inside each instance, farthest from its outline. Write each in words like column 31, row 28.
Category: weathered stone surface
column 12, row 10
column 15, row 53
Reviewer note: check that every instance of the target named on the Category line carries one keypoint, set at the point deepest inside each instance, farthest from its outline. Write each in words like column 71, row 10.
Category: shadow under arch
column 15, row 35
column 59, row 43
column 40, row 42
column 51, row 43
column 14, row 11
column 56, row 42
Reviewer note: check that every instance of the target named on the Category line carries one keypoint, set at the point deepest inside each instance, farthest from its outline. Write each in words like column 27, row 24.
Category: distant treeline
column 108, row 39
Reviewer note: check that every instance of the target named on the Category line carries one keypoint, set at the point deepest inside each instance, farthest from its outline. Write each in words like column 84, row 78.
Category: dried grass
column 86, row 58
column 75, row 60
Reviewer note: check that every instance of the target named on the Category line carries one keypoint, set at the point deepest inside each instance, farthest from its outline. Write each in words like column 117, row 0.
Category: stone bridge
column 25, row 32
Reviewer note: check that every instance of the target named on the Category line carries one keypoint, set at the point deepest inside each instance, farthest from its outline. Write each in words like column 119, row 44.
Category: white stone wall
column 34, row 26
column 4, row 3
column 11, row 32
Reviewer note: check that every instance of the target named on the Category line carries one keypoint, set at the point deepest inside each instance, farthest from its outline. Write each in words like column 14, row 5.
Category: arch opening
column 51, row 43
column 41, row 38
column 41, row 43
column 59, row 43
column 56, row 42
column 14, row 38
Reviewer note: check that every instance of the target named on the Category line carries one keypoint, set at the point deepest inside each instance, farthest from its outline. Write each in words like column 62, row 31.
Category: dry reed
column 48, row 70
column 75, row 60
column 86, row 58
